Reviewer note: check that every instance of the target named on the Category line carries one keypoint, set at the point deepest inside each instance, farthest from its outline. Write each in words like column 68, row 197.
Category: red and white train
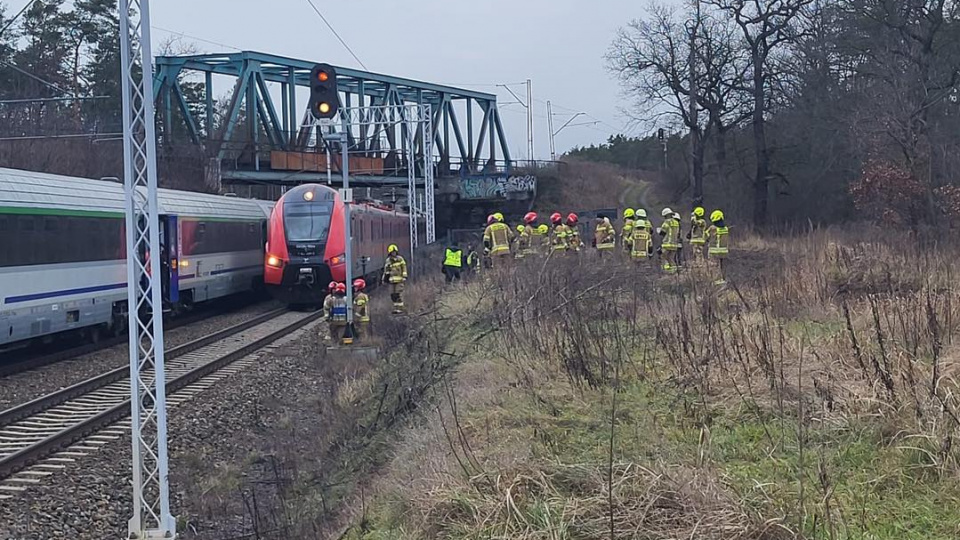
column 305, row 242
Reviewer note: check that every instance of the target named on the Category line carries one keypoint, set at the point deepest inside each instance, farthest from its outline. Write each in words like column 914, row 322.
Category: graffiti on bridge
column 496, row 187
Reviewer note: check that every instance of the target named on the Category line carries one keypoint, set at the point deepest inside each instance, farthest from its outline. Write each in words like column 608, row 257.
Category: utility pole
column 148, row 406
column 346, row 194
column 529, row 106
column 530, row 122
column 553, row 146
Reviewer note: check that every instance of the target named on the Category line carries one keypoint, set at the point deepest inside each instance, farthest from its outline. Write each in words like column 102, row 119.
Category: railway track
column 25, row 361
column 41, row 436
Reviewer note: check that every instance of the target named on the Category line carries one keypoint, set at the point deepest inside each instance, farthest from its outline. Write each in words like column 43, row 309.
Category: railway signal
column 324, row 102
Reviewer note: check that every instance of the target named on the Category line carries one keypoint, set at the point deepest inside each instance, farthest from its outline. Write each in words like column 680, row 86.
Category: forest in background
column 797, row 111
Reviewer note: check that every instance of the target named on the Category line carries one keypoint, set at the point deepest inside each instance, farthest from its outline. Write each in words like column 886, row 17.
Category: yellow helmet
column 628, row 213
column 698, row 211
column 543, row 229
column 498, row 216
column 716, row 216
column 641, row 213
column 520, row 228
column 392, row 248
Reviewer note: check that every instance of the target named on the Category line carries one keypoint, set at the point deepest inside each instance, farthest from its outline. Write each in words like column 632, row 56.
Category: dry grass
column 814, row 397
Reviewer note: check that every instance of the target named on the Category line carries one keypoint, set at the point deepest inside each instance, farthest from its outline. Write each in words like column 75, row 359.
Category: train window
column 198, row 238
column 307, row 221
column 60, row 239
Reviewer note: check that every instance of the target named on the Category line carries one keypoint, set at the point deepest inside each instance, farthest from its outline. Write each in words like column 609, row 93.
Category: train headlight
column 308, row 196
column 339, row 259
column 274, row 261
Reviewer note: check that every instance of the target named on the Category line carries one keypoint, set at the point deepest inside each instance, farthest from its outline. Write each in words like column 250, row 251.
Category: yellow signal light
column 324, row 108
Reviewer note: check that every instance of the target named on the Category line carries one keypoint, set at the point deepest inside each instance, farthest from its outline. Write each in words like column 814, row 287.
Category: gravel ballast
column 235, row 422
column 23, row 387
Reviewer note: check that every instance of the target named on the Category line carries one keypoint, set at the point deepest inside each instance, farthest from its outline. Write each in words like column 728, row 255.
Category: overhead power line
column 342, row 42
column 17, row 16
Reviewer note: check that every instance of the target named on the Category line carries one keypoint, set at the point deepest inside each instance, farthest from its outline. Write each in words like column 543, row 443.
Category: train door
column 170, row 258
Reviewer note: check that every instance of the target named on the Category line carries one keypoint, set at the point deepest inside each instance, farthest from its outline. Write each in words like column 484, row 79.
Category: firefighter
column 605, row 237
column 559, row 237
column 573, row 232
column 473, row 260
column 641, row 239
column 335, row 311
column 697, row 235
column 669, row 232
column 542, row 232
column 361, row 307
column 626, row 233
column 497, row 237
column 717, row 238
column 395, row 273
column 452, row 262
column 533, row 239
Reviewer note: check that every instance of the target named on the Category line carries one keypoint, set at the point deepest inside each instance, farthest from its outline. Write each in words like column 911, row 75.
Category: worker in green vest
column 452, row 261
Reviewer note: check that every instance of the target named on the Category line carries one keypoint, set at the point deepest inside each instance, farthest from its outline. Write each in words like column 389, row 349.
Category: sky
column 558, row 44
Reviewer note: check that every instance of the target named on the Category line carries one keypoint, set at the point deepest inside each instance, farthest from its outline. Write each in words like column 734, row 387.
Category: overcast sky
column 559, row 44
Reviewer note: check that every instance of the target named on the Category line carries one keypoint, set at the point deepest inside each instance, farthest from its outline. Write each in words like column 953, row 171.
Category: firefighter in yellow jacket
column 605, row 236
column 335, row 311
column 670, row 244
column 641, row 238
column 717, row 237
column 361, row 307
column 573, row 232
column 626, row 233
column 697, row 235
column 395, row 273
column 497, row 237
column 529, row 241
column 558, row 235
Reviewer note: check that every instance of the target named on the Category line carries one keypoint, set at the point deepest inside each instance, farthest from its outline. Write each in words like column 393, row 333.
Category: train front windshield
column 307, row 221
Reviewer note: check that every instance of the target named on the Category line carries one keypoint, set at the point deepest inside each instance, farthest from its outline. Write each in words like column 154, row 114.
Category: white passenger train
column 63, row 252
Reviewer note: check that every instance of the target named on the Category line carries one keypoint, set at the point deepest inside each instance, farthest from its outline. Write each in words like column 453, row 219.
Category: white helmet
column 666, row 212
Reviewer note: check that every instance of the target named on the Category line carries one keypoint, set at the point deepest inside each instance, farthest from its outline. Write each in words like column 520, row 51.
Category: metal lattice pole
column 408, row 120
column 428, row 187
column 151, row 499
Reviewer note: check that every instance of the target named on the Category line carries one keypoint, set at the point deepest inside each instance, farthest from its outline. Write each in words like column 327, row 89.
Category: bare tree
column 766, row 27
column 678, row 69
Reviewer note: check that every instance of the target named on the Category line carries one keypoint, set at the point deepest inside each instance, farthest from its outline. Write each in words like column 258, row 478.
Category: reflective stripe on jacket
column 396, row 269
column 497, row 236
column 719, row 240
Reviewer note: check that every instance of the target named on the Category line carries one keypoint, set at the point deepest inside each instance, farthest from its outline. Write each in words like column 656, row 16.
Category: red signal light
column 323, row 76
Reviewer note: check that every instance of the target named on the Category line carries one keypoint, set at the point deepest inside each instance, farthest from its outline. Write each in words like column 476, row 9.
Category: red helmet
column 491, row 220
column 556, row 218
column 332, row 286
column 359, row 284
column 572, row 219
column 530, row 217
column 341, row 288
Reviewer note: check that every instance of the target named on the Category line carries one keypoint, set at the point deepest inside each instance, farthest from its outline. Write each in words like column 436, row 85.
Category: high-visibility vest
column 454, row 258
